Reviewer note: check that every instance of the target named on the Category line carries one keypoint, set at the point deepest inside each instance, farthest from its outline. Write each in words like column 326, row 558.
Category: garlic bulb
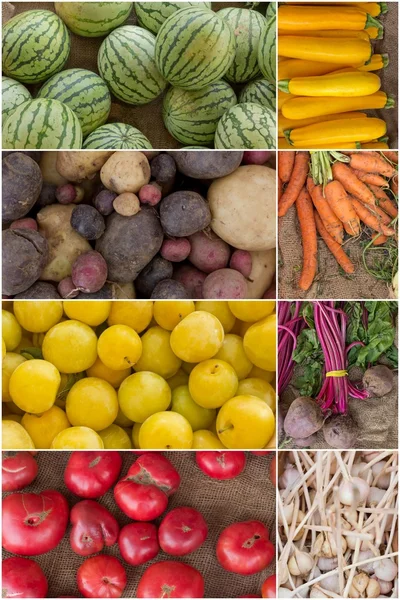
column 300, row 563
column 287, row 512
column 355, row 470
column 373, row 589
column 352, row 541
column 375, row 495
column 385, row 569
column 325, row 545
column 327, row 564
column 364, row 555
column 289, row 477
column 383, row 481
column 384, row 586
column 360, row 582
column 331, row 583
column 354, row 492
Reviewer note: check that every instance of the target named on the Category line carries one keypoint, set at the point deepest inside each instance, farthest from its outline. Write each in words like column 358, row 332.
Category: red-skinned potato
column 93, row 527
column 208, row 252
column 225, row 284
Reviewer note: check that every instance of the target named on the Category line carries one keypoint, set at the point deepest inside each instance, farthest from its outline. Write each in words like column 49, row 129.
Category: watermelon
column 42, row 124
column 194, row 48
column 93, row 19
column 247, row 26
column 271, row 10
column 152, row 15
column 13, row 94
column 192, row 116
column 267, row 51
column 84, row 92
column 246, row 126
column 126, row 63
column 261, row 92
column 36, row 44
column 117, row 136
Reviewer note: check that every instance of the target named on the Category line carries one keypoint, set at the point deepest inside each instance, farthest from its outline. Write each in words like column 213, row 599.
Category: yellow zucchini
column 375, row 146
column 292, row 67
column 282, row 98
column 378, row 61
column 284, row 123
column 331, row 33
column 343, row 85
column 337, row 132
column 314, row 18
column 372, row 8
column 283, row 144
column 303, row 107
column 344, row 52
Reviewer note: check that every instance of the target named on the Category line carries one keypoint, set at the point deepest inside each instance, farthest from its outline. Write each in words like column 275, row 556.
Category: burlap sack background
column 147, row 118
column 249, row 496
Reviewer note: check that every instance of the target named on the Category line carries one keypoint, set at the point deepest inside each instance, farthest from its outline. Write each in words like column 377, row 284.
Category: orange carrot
column 372, row 162
column 379, row 240
column 370, row 219
column 384, row 217
column 352, row 184
column 280, row 190
column 384, row 201
column 305, row 213
column 331, row 223
column 297, row 180
column 341, row 205
column 394, row 186
column 371, row 178
column 336, row 249
column 392, row 155
column 285, row 165
column 310, row 185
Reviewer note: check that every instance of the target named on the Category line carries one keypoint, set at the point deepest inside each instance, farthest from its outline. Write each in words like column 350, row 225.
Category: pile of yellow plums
column 139, row 374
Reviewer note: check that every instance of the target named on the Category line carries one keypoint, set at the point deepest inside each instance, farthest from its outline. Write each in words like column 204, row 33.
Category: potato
column 158, row 269
column 21, row 185
column 89, row 272
column 191, row 278
column 47, row 195
column 378, row 380
column 209, row 253
column 39, row 291
column 241, row 261
column 80, row 164
column 175, row 250
column 163, row 171
column 67, row 289
column 65, row 244
column 208, row 164
column 88, row 222
column 243, row 208
column 303, row 418
column 129, row 243
column 263, row 265
column 126, row 204
column 169, row 289
column 25, row 253
column 225, row 283
column 48, row 168
column 125, row 172
column 184, row 213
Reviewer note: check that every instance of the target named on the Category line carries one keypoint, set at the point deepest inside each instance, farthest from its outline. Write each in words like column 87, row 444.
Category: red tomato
column 268, row 589
column 220, row 464
column 34, row 523
column 140, row 502
column 260, row 452
column 138, row 543
column 101, row 577
column 93, row 527
column 91, row 474
column 245, row 548
column 182, row 531
column 19, row 469
column 154, row 468
column 23, row 578
column 170, row 579
column 272, row 470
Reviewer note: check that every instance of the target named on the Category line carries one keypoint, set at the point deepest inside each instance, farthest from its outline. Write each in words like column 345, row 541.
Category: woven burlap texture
column 147, row 118
column 247, row 497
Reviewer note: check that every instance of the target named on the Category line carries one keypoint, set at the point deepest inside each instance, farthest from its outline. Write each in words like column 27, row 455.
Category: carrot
column 352, row 184
column 310, row 185
column 285, row 165
column 297, row 180
column 280, row 186
column 341, row 205
column 305, row 213
column 384, row 217
column 336, row 249
column 394, row 186
column 331, row 223
column 379, row 240
column 371, row 178
column 370, row 219
column 384, row 201
column 392, row 155
column 372, row 162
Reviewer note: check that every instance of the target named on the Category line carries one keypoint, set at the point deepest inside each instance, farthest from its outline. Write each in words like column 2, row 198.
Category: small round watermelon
column 42, row 124
column 93, row 19
column 191, row 117
column 84, row 92
column 152, row 15
column 267, row 51
column 261, row 92
column 13, row 94
column 117, row 136
column 126, row 63
column 36, row 44
column 246, row 126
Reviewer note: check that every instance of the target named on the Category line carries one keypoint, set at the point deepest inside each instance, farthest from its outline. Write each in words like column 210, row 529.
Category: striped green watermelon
column 36, row 44
column 192, row 116
column 267, row 51
column 84, row 92
column 117, row 136
column 152, row 15
column 246, row 126
column 93, row 19
column 271, row 10
column 126, row 63
column 194, row 48
column 13, row 94
column 261, row 92
column 42, row 124
column 247, row 26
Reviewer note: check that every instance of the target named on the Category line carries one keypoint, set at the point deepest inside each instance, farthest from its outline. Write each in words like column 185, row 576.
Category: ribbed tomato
column 245, row 548
column 101, row 577
column 170, row 579
column 138, row 543
column 219, row 464
column 182, row 531
column 91, row 474
column 18, row 469
column 93, row 527
column 23, row 578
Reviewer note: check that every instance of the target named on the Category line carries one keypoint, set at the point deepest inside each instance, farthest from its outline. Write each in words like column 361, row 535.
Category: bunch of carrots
column 336, row 194
column 326, row 76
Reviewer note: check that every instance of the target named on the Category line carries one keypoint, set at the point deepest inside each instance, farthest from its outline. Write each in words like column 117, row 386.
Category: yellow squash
column 304, row 108
column 377, row 62
column 304, row 68
column 344, row 52
column 375, row 146
column 331, row 33
column 357, row 83
column 314, row 18
column 282, row 98
column 372, row 8
column 284, row 123
column 337, row 132
column 283, row 144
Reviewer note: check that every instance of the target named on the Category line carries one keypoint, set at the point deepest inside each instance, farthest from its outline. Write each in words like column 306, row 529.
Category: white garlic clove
column 289, row 477
column 300, row 563
column 385, row 569
column 354, row 492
